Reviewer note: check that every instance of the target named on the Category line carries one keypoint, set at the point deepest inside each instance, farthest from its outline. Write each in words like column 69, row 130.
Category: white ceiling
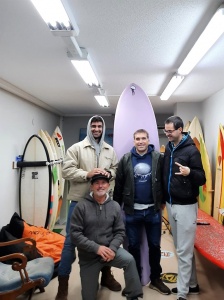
column 129, row 41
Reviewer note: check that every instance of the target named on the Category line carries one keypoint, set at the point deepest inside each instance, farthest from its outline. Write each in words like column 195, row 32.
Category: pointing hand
column 184, row 171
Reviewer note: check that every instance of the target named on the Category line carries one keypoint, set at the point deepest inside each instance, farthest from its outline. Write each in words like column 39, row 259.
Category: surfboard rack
column 23, row 164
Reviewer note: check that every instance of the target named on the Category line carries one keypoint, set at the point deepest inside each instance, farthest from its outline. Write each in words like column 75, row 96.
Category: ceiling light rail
column 102, row 100
column 60, row 20
column 207, row 39
column 172, row 86
column 100, row 96
column 85, row 70
column 55, row 15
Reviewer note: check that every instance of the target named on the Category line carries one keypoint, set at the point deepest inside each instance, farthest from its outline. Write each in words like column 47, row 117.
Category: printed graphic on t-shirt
column 142, row 172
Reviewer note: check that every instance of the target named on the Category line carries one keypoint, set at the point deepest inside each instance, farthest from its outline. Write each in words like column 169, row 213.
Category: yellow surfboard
column 186, row 126
column 205, row 191
column 218, row 174
column 219, row 179
column 221, row 206
column 162, row 148
column 194, row 130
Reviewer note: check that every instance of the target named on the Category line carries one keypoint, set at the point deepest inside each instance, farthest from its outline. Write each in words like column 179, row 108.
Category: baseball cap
column 99, row 176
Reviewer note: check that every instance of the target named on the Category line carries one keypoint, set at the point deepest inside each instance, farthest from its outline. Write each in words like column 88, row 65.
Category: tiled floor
column 210, row 279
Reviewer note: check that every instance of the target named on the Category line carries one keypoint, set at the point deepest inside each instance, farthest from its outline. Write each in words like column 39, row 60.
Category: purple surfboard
column 134, row 111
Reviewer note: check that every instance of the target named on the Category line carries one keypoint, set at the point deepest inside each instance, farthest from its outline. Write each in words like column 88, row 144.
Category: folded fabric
column 48, row 243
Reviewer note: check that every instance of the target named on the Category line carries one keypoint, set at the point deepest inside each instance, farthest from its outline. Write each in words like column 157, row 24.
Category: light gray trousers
column 89, row 272
column 183, row 221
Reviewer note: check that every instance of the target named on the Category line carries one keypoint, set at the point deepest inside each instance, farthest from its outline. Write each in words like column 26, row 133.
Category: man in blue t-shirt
column 138, row 189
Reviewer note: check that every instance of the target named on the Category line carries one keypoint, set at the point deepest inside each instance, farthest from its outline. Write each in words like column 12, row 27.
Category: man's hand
column 106, row 253
column 184, row 171
column 98, row 171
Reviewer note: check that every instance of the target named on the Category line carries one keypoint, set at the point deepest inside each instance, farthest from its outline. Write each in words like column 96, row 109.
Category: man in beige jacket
column 84, row 160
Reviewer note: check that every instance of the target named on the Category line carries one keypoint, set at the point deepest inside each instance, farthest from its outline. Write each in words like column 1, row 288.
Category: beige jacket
column 80, row 159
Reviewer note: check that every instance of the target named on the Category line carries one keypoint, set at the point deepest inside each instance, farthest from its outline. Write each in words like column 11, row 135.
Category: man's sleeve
column 113, row 167
column 119, row 183
column 197, row 173
column 70, row 169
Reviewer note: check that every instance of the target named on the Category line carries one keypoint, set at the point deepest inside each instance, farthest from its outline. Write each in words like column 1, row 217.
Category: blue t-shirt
column 142, row 167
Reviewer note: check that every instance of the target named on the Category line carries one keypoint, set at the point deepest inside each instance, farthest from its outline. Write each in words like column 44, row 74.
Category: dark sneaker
column 192, row 291
column 174, row 291
column 160, row 287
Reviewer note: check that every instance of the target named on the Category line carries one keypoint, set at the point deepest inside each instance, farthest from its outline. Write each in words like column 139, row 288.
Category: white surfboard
column 35, row 183
column 56, row 168
column 54, row 195
column 58, row 142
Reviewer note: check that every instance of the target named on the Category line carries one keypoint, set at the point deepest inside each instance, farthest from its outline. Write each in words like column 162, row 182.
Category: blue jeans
column 152, row 221
column 68, row 253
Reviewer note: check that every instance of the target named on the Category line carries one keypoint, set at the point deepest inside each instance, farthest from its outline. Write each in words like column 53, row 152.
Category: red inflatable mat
column 210, row 239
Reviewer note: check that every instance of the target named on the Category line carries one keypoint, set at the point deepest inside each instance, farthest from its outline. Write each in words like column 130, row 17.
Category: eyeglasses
column 169, row 131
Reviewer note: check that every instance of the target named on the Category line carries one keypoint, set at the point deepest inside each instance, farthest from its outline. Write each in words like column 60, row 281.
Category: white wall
column 160, row 119
column 213, row 115
column 188, row 110
column 20, row 119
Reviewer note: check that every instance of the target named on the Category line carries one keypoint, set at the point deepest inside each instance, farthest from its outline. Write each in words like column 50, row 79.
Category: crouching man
column 98, row 230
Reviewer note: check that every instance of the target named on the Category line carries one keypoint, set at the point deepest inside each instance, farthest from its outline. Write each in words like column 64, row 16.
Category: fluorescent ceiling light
column 172, row 86
column 209, row 36
column 54, row 14
column 102, row 100
column 86, row 72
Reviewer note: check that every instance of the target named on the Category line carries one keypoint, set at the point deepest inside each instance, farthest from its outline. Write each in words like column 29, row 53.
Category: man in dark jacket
column 138, row 188
column 183, row 174
column 97, row 228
